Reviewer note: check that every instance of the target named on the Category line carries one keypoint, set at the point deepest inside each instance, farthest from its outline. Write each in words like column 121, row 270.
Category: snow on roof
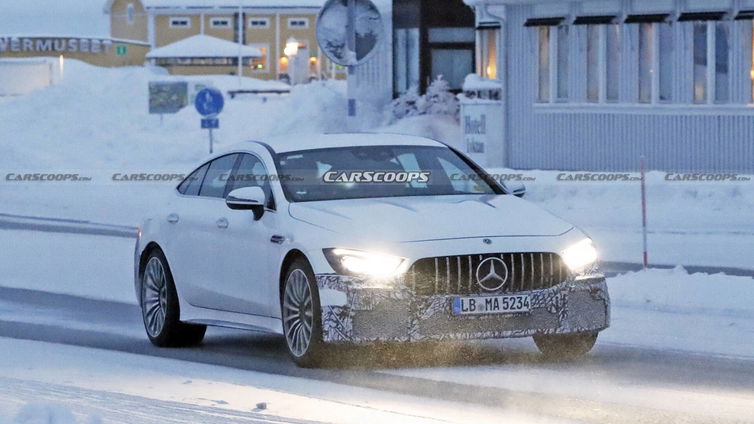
column 204, row 46
column 231, row 3
column 294, row 142
column 80, row 18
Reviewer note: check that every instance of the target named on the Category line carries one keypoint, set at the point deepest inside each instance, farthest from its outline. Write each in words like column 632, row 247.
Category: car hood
column 408, row 219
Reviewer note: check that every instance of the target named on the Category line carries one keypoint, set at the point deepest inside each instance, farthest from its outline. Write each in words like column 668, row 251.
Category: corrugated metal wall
column 671, row 141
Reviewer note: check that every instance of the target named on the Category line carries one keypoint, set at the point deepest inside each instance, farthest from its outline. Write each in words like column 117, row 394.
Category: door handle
column 173, row 218
column 222, row 223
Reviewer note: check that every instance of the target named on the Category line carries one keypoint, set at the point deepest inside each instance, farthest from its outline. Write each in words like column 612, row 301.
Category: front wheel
column 301, row 314
column 160, row 309
column 565, row 346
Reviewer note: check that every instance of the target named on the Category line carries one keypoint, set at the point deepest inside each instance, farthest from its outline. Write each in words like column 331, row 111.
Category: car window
column 378, row 171
column 191, row 185
column 217, row 176
column 252, row 172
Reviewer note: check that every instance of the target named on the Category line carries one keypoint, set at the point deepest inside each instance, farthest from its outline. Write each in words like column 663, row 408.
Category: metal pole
column 644, row 211
column 210, row 141
column 351, row 45
column 240, row 43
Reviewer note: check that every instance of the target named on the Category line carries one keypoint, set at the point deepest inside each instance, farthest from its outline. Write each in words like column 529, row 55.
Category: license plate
column 491, row 304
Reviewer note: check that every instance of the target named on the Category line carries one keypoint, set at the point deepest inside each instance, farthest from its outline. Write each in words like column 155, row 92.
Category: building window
column 562, row 62
column 259, row 64
column 543, row 71
column 298, row 23
column 259, row 23
column 180, row 23
column 646, row 56
column 665, row 45
column 487, row 52
column 130, row 13
column 612, row 62
column 593, row 42
column 722, row 62
column 219, row 23
column 700, row 62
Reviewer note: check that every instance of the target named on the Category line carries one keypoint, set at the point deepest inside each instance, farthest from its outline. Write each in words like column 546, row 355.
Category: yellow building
column 282, row 30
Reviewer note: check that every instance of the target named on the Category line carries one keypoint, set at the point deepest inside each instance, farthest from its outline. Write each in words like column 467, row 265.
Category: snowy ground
column 98, row 386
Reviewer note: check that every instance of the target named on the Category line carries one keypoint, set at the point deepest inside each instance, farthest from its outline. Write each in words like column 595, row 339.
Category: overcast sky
column 53, row 17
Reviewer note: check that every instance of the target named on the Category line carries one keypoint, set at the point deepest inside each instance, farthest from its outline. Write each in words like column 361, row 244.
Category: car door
column 244, row 252
column 199, row 231
column 182, row 215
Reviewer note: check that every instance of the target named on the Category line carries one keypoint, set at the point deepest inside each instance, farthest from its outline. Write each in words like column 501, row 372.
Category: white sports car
column 359, row 238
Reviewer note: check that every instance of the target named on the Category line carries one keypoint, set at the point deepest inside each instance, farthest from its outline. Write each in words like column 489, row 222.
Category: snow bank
column 675, row 290
column 98, row 118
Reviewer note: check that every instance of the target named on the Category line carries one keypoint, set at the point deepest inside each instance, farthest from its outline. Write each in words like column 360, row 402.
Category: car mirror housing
column 247, row 198
column 516, row 189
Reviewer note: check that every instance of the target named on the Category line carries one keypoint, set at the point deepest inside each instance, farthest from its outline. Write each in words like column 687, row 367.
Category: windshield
column 379, row 171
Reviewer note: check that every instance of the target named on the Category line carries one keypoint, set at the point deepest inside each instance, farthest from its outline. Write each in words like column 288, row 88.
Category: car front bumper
column 355, row 313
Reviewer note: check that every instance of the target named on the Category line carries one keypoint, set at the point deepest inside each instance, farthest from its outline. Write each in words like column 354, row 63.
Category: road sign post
column 351, row 41
column 209, row 103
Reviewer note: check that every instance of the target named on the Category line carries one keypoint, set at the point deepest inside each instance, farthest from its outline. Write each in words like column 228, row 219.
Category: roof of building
column 225, row 4
column 204, row 46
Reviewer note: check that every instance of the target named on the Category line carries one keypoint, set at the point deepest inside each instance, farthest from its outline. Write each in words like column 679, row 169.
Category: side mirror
column 516, row 189
column 247, row 198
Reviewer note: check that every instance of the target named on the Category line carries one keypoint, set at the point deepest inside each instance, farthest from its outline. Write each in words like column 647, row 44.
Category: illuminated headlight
column 580, row 255
column 359, row 262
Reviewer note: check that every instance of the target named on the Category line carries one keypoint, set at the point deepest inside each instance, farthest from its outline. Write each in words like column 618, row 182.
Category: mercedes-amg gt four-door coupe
column 363, row 238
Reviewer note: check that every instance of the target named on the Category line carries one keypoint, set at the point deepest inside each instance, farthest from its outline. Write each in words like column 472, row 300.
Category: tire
column 160, row 310
column 565, row 346
column 302, row 316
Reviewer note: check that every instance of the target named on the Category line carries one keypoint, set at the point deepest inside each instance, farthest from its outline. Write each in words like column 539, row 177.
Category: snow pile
column 675, row 290
column 98, row 118
column 438, row 100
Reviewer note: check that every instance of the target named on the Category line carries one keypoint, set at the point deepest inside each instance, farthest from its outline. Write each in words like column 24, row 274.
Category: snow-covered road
column 615, row 384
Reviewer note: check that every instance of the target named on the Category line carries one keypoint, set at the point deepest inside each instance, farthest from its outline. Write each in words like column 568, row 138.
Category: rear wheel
column 565, row 346
column 160, row 309
column 301, row 314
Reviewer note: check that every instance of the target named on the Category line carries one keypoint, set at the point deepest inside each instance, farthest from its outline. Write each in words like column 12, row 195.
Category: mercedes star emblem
column 491, row 274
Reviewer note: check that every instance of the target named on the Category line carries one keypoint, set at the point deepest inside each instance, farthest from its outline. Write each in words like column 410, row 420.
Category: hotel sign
column 54, row 44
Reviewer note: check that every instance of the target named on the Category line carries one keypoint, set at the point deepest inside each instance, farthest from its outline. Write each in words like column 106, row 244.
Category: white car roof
column 293, row 142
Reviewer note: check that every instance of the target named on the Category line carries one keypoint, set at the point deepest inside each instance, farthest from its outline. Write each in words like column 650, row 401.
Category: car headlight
column 359, row 262
column 580, row 255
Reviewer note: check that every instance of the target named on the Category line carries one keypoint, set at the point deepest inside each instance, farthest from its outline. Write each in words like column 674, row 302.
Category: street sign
column 167, row 96
column 121, row 50
column 349, row 31
column 209, row 102
column 210, row 123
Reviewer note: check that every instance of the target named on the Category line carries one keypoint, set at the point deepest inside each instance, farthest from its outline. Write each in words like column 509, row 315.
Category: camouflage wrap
column 355, row 311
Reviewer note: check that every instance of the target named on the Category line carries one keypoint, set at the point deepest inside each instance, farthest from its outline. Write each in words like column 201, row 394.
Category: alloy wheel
column 298, row 316
column 155, row 297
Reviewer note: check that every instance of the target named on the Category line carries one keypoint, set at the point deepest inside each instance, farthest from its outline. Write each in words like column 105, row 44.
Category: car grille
column 457, row 274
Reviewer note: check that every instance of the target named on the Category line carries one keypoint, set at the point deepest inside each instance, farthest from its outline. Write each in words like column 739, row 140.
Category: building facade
column 594, row 85
column 431, row 38
column 271, row 26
